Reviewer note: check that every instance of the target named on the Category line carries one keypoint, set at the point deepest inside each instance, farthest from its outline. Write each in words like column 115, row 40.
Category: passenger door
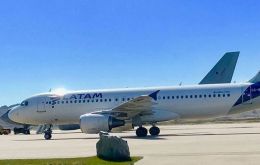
column 41, row 105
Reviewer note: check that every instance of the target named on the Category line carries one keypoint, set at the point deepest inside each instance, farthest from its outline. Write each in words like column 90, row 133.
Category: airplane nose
column 14, row 115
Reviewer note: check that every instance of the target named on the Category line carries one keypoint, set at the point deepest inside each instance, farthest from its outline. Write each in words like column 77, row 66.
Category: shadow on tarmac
column 161, row 137
column 208, row 128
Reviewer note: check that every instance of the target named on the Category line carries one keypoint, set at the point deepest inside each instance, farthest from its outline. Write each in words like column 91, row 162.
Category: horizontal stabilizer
column 223, row 71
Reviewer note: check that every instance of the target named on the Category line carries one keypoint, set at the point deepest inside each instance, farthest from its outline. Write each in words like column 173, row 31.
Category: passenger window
column 224, row 95
column 172, row 97
column 163, row 97
column 84, row 101
column 228, row 95
column 181, row 97
column 116, row 99
column 195, row 96
column 62, row 102
column 200, row 96
column 79, row 101
column 101, row 100
column 219, row 95
column 67, row 102
column 105, row 100
column 123, row 99
column 209, row 95
column 49, row 102
column 191, row 96
column 71, row 102
column 214, row 95
column 186, row 96
column 75, row 101
column 205, row 96
column 109, row 100
column 96, row 100
column 128, row 99
column 168, row 97
column 177, row 97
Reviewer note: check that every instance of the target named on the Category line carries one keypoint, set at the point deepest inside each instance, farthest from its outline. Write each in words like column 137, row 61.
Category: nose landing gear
column 48, row 133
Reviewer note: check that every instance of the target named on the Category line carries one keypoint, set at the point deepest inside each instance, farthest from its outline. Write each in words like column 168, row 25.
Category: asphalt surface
column 224, row 144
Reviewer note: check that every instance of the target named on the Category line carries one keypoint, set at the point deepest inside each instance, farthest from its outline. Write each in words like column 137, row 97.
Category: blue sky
column 85, row 44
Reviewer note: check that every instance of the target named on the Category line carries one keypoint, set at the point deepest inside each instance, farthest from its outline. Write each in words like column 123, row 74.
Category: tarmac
column 213, row 144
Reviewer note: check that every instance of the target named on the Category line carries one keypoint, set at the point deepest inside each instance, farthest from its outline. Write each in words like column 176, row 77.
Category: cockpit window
column 24, row 103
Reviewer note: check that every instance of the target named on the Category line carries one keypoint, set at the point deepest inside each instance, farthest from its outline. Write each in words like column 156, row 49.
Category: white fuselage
column 188, row 102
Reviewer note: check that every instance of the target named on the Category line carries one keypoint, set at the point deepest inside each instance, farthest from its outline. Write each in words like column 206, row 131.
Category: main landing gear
column 48, row 133
column 142, row 132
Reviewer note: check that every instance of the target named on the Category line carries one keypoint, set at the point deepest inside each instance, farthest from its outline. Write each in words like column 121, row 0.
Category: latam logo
column 85, row 96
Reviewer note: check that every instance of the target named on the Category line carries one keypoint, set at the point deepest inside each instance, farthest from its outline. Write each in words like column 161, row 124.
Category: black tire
column 27, row 132
column 154, row 131
column 141, row 132
column 47, row 136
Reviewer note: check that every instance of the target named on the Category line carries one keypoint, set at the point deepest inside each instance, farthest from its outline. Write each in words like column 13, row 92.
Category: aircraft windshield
column 24, row 103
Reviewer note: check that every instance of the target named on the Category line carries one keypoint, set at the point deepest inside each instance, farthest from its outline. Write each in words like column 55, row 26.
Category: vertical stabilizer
column 256, row 78
column 223, row 71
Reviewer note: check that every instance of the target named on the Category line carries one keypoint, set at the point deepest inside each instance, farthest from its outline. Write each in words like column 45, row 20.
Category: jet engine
column 94, row 123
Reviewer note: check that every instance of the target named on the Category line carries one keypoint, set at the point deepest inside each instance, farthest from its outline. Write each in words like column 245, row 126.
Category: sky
column 93, row 44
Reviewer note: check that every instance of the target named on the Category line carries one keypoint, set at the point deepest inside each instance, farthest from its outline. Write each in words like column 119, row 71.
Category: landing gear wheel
column 141, row 132
column 27, row 132
column 154, row 131
column 48, row 132
column 47, row 136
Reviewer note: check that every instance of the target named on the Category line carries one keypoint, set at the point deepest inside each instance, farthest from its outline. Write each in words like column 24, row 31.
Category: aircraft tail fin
column 256, row 78
column 223, row 71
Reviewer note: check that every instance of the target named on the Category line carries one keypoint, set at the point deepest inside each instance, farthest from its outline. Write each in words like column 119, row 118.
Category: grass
column 68, row 161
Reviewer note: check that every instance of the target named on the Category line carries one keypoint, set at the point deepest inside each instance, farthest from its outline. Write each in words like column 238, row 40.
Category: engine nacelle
column 94, row 123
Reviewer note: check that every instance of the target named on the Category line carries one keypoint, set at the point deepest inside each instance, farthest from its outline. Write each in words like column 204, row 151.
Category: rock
column 112, row 148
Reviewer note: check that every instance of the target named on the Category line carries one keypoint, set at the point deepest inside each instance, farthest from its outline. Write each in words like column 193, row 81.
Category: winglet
column 154, row 95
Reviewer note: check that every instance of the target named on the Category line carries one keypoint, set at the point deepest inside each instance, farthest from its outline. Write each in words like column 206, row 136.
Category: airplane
column 222, row 72
column 103, row 110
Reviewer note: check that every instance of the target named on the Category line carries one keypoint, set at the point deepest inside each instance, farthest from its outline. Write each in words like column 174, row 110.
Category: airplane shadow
column 161, row 137
column 208, row 128
column 210, row 134
column 75, row 132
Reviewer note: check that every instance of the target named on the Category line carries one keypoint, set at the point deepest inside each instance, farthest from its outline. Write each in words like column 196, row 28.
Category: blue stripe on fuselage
column 247, row 95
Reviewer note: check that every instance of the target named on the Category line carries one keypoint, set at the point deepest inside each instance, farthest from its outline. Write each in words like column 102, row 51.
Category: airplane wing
column 138, row 105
